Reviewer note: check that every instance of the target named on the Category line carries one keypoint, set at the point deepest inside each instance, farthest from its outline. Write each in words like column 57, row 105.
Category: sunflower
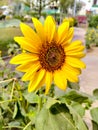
column 50, row 55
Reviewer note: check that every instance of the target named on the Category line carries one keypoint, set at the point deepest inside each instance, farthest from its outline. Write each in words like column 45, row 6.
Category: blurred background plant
column 36, row 111
column 93, row 21
column 91, row 37
column 72, row 21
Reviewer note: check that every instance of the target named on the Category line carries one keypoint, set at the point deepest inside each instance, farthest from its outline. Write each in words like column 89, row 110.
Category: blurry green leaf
column 22, row 109
column 14, row 123
column 2, row 63
column 51, row 102
column 5, row 82
column 94, row 125
column 32, row 115
column 78, row 108
column 94, row 114
column 31, row 97
column 15, row 110
column 1, row 119
column 55, row 118
column 79, row 123
column 76, row 96
column 95, row 93
column 73, row 85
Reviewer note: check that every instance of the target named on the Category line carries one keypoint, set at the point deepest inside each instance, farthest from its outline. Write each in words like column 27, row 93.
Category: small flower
column 50, row 55
column 90, row 38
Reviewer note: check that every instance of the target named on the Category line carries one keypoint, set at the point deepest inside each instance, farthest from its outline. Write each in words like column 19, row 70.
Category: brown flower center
column 52, row 57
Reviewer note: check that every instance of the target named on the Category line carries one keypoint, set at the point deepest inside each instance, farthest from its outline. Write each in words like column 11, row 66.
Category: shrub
column 93, row 21
column 91, row 37
column 72, row 21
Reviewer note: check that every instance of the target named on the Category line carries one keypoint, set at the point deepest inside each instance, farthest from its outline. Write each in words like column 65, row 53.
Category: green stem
column 25, row 128
column 12, row 91
column 9, row 80
column 6, row 127
column 8, row 101
column 40, row 104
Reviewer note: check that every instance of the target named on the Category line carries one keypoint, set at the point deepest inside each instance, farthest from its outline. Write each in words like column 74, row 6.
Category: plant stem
column 25, row 128
column 9, row 80
column 40, row 103
column 13, row 86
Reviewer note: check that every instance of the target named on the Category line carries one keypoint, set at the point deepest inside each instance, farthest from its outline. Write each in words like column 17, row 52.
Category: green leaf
column 22, row 109
column 5, row 82
column 95, row 93
column 31, row 97
column 15, row 110
column 76, row 96
column 73, row 85
column 14, row 123
column 32, row 116
column 79, row 123
column 78, row 108
column 94, row 114
column 55, row 118
column 51, row 102
column 94, row 125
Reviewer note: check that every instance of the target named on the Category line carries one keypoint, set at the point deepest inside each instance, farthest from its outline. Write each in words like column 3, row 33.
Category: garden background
column 18, row 108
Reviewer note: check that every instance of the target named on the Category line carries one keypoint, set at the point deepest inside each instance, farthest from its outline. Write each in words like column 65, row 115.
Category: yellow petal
column 41, row 84
column 75, row 54
column 49, row 78
column 32, row 70
column 74, row 49
column 62, row 32
column 50, row 29
column 29, row 32
column 75, row 43
column 69, row 37
column 25, row 67
column 75, row 62
column 70, row 74
column 28, row 44
column 36, row 80
column 77, row 71
column 23, row 58
column 39, row 28
column 60, row 80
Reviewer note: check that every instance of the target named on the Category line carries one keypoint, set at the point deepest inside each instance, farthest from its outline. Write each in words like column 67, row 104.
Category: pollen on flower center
column 52, row 57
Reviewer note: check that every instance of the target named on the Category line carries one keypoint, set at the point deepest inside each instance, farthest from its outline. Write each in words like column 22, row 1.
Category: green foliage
column 7, row 41
column 21, row 18
column 65, row 4
column 36, row 111
column 3, row 2
column 75, row 21
column 91, row 37
column 95, row 93
column 94, row 114
column 93, row 21
column 55, row 118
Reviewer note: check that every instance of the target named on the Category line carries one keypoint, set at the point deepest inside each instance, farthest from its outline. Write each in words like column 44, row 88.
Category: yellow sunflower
column 50, row 55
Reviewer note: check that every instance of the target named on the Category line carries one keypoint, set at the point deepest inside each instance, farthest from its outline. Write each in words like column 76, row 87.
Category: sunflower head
column 50, row 55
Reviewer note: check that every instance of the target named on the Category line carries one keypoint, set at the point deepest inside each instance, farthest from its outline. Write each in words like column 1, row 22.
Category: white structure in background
column 89, row 6
column 94, row 8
